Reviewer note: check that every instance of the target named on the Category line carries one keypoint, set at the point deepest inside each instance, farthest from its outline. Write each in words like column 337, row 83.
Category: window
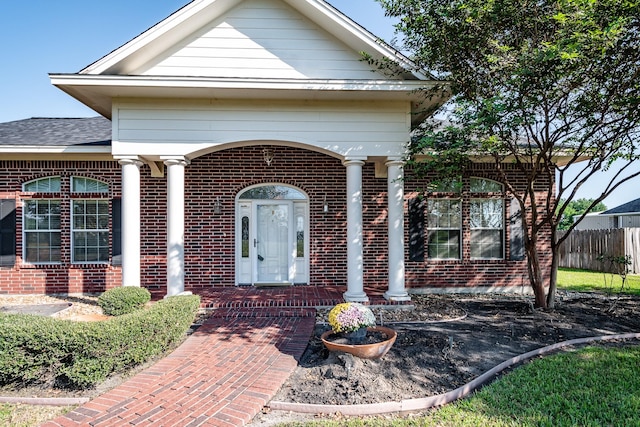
column 245, row 236
column 486, row 221
column 299, row 235
column 87, row 185
column 41, row 223
column 90, row 222
column 43, row 185
column 444, row 223
column 272, row 192
column 89, row 236
column 42, row 231
column 90, row 231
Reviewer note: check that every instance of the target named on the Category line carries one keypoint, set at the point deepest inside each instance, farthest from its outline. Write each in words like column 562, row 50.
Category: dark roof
column 43, row 131
column 629, row 207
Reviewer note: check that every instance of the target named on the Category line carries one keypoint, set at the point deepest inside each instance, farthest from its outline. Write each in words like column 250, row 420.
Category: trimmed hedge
column 123, row 300
column 36, row 349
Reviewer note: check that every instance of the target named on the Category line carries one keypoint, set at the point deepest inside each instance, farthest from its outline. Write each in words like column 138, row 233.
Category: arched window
column 43, row 185
column 81, row 184
column 272, row 192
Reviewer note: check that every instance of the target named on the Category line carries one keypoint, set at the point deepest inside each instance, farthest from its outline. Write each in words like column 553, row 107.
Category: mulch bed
column 432, row 355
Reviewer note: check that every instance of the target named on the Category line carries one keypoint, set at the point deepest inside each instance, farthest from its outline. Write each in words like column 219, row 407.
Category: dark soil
column 437, row 351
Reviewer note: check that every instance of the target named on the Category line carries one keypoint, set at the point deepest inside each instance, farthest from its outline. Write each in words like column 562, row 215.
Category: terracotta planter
column 364, row 351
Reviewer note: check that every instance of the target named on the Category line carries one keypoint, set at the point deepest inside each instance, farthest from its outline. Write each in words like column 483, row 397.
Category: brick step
column 253, row 313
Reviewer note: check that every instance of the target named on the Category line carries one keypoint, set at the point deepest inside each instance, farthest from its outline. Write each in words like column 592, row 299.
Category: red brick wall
column 210, row 238
column 64, row 277
column 468, row 272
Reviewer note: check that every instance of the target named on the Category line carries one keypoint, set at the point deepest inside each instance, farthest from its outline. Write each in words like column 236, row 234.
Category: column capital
column 394, row 161
column 350, row 161
column 130, row 161
column 178, row 160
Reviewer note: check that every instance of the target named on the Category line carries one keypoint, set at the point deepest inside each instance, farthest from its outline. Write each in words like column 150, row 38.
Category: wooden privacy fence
column 582, row 248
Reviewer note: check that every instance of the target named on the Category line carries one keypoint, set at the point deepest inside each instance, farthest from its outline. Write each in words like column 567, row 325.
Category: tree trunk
column 535, row 274
column 553, row 281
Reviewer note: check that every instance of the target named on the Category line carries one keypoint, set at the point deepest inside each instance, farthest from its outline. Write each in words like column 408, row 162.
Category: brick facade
column 210, row 238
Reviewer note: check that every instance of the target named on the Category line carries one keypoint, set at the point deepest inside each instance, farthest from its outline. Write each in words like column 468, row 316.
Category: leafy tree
column 575, row 208
column 542, row 85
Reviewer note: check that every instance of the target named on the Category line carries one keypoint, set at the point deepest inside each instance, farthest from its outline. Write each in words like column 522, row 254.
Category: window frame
column 26, row 231
column 98, row 230
column 431, row 228
column 44, row 189
column 489, row 191
column 102, row 187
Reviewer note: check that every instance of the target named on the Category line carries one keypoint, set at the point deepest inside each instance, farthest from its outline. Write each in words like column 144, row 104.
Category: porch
column 239, row 298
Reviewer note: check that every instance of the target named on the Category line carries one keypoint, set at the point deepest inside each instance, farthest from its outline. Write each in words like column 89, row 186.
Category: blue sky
column 43, row 36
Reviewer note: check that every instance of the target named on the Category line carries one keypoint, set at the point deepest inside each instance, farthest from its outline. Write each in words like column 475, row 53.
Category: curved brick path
column 222, row 375
column 225, row 372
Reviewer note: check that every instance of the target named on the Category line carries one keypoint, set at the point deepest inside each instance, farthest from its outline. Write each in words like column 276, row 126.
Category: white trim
column 99, row 92
column 404, row 87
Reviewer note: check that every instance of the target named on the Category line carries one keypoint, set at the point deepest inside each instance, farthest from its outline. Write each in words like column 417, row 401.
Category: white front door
column 271, row 239
column 273, row 242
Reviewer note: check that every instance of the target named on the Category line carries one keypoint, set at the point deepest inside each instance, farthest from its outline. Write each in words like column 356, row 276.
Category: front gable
column 261, row 39
column 253, row 49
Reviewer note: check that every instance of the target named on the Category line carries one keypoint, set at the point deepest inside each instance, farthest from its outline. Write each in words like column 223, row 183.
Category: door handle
column 255, row 243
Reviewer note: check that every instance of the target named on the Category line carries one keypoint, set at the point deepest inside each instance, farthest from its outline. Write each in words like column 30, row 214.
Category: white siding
column 262, row 39
column 629, row 221
column 604, row 222
column 344, row 128
column 596, row 222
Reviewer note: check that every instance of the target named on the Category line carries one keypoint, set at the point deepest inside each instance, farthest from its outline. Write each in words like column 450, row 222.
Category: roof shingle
column 42, row 131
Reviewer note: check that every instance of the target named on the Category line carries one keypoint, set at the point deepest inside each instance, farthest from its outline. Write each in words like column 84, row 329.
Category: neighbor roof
column 626, row 208
column 56, row 132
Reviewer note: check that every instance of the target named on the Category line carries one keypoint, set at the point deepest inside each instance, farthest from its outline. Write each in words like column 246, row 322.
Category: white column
column 355, row 289
column 395, row 218
column 130, row 221
column 175, row 225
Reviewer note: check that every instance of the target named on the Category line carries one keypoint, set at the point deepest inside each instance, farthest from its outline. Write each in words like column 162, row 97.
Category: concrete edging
column 441, row 399
column 46, row 401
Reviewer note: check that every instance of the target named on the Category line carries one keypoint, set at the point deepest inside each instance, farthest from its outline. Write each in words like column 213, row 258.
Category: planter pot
column 358, row 336
column 364, row 351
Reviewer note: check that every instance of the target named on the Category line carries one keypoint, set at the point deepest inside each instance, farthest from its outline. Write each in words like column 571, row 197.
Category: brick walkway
column 226, row 371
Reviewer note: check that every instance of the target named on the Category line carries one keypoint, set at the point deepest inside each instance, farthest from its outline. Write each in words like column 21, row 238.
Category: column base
column 397, row 296
column 183, row 293
column 355, row 297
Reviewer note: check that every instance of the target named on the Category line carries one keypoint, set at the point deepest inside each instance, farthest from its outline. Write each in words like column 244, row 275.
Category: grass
column 567, row 389
column 592, row 281
column 29, row 415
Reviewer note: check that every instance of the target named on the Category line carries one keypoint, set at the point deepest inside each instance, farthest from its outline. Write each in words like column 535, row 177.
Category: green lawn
column 568, row 389
column 591, row 281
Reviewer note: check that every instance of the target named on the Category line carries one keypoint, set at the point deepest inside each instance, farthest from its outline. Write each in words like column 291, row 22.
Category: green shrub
column 35, row 349
column 123, row 300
